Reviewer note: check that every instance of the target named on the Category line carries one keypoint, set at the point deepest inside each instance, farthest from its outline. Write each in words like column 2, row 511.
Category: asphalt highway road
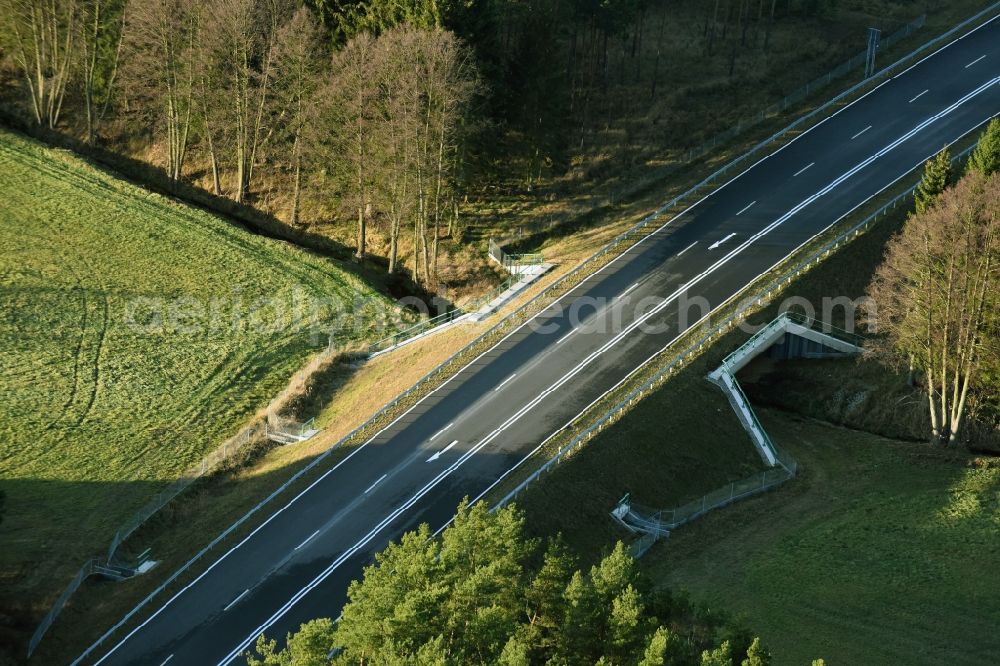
column 459, row 440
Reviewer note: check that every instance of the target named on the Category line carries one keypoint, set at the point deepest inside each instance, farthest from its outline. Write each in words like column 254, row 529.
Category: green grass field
column 136, row 335
column 880, row 552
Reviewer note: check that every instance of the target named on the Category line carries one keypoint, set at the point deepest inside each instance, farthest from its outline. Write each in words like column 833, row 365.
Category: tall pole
column 874, row 38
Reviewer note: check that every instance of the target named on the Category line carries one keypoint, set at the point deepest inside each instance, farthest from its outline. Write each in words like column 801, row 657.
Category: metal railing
column 507, row 322
column 764, row 294
column 413, row 331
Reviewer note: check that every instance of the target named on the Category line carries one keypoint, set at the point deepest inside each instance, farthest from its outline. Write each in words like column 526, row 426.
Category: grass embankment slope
column 878, row 552
column 98, row 413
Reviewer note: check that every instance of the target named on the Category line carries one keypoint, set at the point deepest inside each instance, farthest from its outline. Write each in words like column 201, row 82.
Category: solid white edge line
column 367, row 538
column 860, row 133
column 233, row 602
column 803, row 169
column 565, row 337
column 951, row 43
column 136, row 609
column 380, row 479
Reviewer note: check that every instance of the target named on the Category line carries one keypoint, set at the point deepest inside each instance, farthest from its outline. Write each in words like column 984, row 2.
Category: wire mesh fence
column 212, row 460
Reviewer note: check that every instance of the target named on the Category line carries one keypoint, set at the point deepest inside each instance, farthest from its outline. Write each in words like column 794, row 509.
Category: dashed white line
column 803, row 169
column 308, row 539
column 919, row 96
column 440, row 432
column 860, row 133
column 243, row 645
column 622, row 295
column 688, row 248
column 231, row 603
column 504, row 382
column 166, row 660
column 747, row 207
column 975, row 61
column 369, row 489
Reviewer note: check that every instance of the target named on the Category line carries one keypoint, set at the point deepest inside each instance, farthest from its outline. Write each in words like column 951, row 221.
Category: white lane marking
column 375, row 484
column 654, row 216
column 954, row 41
column 166, row 660
column 747, row 207
column 860, row 133
column 716, row 244
column 504, row 382
column 803, row 169
column 975, row 61
column 569, row 375
column 919, row 96
column 233, row 602
column 622, row 295
column 438, row 454
column 681, row 253
column 440, row 432
column 560, row 340
column 308, row 539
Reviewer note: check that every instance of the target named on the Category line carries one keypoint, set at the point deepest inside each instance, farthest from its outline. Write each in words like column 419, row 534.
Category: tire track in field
column 73, row 264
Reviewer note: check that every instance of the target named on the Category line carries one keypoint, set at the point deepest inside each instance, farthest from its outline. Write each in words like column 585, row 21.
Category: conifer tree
column 937, row 173
column 985, row 158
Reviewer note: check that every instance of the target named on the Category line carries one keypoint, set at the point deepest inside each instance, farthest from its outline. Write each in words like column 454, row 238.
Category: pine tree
column 661, row 649
column 757, row 655
column 720, row 656
column 937, row 173
column 985, row 158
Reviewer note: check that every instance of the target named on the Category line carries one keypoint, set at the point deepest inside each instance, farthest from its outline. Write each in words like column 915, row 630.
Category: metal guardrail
column 801, row 93
column 764, row 295
column 506, row 322
column 413, row 331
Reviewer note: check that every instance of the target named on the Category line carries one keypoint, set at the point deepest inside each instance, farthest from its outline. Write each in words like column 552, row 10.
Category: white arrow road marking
column 504, row 382
column 745, row 209
column 308, row 539
column 716, row 244
column 245, row 643
column 376, row 483
column 231, row 603
column 438, row 454
column 919, row 96
column 440, row 432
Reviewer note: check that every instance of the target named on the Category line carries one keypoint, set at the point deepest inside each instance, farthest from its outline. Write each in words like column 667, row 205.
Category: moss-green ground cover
column 136, row 334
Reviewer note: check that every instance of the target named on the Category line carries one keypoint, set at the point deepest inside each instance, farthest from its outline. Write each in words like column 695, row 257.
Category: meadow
column 136, row 334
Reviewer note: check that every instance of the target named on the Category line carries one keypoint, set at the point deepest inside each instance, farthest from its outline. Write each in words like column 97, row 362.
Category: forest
column 372, row 121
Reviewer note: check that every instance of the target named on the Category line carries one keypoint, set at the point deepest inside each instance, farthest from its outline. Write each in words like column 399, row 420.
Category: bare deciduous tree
column 938, row 295
column 298, row 58
column 39, row 35
column 161, row 72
